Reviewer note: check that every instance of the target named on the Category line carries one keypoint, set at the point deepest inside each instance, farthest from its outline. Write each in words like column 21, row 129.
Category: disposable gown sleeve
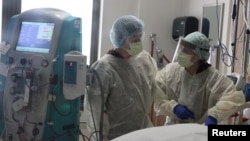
column 149, row 67
column 224, row 99
column 230, row 102
column 164, row 98
column 93, row 103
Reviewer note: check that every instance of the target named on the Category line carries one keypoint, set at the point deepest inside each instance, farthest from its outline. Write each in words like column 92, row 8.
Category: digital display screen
column 35, row 37
column 70, row 72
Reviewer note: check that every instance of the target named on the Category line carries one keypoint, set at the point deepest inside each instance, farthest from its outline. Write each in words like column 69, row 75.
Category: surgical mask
column 135, row 48
column 184, row 59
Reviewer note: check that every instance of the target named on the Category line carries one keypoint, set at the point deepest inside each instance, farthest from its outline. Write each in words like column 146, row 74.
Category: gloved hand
column 183, row 112
column 211, row 121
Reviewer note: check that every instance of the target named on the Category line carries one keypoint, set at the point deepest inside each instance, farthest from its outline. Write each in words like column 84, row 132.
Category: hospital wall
column 158, row 16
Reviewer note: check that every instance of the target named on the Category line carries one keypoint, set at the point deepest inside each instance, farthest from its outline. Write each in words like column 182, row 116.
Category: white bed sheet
column 176, row 132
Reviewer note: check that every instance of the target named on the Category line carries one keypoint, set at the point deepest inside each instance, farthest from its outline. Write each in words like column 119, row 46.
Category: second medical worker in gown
column 127, row 74
column 194, row 91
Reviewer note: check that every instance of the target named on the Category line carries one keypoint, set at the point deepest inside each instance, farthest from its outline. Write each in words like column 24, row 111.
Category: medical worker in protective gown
column 127, row 74
column 193, row 90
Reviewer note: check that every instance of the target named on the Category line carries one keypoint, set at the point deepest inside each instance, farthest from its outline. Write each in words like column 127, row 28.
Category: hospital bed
column 241, row 117
column 179, row 132
column 187, row 131
column 175, row 132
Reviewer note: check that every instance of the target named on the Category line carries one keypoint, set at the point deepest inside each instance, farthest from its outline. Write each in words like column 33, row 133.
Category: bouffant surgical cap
column 201, row 43
column 125, row 27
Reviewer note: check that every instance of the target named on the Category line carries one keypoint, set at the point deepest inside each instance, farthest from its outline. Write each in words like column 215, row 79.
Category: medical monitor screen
column 35, row 37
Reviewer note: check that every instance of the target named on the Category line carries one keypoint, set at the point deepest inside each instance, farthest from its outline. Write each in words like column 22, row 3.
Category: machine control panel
column 74, row 75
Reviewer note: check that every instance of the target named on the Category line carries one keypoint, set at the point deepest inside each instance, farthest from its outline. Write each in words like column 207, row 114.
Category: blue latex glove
column 211, row 121
column 183, row 112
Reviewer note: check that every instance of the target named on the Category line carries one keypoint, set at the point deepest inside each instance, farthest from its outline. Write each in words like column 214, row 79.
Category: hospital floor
column 83, row 127
column 83, row 130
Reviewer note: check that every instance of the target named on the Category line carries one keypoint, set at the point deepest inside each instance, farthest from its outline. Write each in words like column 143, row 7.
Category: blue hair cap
column 125, row 27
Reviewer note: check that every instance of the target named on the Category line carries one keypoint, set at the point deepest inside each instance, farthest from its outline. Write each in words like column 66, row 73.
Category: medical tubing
column 102, row 103
column 221, row 45
column 58, row 136
column 14, row 118
column 52, row 103
column 233, row 37
column 59, row 112
column 92, row 134
column 166, row 59
column 91, row 111
column 244, row 11
column 234, row 10
column 83, row 136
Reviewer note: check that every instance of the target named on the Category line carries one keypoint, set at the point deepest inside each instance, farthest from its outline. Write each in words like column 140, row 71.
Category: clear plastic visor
column 184, row 47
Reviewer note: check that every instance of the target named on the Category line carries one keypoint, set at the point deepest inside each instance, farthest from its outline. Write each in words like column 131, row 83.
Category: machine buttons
column 23, row 61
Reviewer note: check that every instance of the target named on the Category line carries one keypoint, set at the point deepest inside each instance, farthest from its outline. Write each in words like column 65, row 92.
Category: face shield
column 184, row 47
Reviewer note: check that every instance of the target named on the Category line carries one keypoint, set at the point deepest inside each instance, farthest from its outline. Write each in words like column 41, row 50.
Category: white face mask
column 135, row 48
column 184, row 59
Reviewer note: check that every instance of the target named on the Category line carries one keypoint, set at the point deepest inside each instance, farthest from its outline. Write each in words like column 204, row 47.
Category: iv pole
column 160, row 56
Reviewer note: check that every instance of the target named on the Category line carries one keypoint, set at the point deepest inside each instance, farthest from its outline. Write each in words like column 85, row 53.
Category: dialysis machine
column 45, row 76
